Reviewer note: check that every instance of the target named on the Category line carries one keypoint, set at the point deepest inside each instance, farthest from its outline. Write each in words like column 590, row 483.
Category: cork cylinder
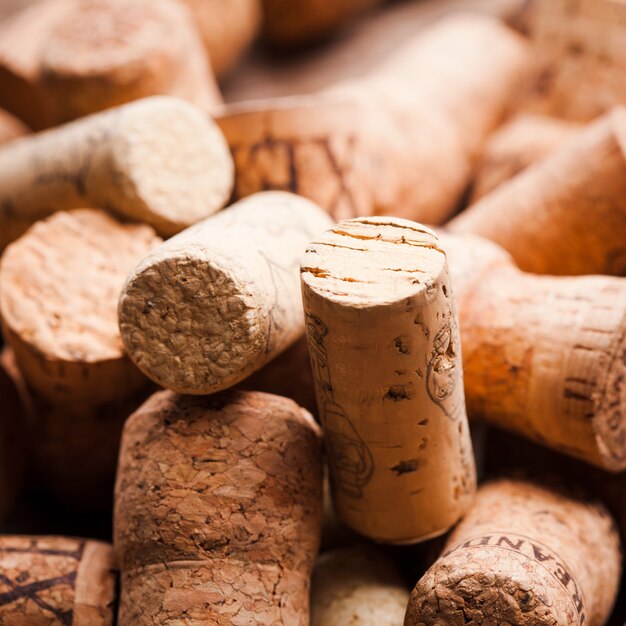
column 158, row 160
column 10, row 127
column 524, row 554
column 220, row 300
column 557, row 217
column 383, row 337
column 218, row 511
column 543, row 356
column 55, row 581
column 357, row 586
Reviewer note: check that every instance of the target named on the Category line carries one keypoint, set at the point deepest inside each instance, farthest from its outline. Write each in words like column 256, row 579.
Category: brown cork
column 56, row 581
column 358, row 586
column 218, row 301
column 543, row 356
column 386, row 358
column 218, row 510
column 557, row 217
column 10, row 127
column 83, row 56
column 158, row 160
column 517, row 145
column 524, row 555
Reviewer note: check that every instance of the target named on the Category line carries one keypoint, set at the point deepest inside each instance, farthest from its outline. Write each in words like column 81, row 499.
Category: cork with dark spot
column 557, row 217
column 543, row 356
column 524, row 555
column 158, row 160
column 10, row 127
column 218, row 510
column 384, row 344
column 56, row 581
column 220, row 300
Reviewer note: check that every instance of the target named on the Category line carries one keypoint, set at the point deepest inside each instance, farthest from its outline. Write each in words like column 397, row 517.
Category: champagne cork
column 220, row 300
column 543, row 356
column 158, row 160
column 386, row 358
column 218, row 511
column 357, row 586
column 56, row 581
column 557, row 217
column 10, row 128
column 524, row 555
column 517, row 145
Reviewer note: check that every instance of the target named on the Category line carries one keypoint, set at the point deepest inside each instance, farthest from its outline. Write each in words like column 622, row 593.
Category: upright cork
column 218, row 301
column 56, row 581
column 386, row 358
column 158, row 160
column 524, row 555
column 218, row 511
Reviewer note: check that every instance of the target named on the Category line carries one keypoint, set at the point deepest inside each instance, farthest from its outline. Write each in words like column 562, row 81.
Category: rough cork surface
column 158, row 160
column 543, row 356
column 56, row 581
column 220, row 300
column 218, row 510
column 357, row 586
column 10, row 127
column 523, row 555
column 383, row 337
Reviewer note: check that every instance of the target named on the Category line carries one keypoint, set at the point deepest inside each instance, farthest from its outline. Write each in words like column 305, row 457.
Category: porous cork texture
column 525, row 555
column 220, row 300
column 56, row 581
column 386, row 358
column 218, row 510
column 158, row 160
column 543, row 356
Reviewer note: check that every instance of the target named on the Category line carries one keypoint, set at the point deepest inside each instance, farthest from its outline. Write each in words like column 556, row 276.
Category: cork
column 157, row 160
column 557, row 217
column 84, row 56
column 386, row 358
column 543, row 356
column 524, row 554
column 10, row 127
column 56, row 581
column 357, row 586
column 220, row 300
column 218, row 510
column 519, row 143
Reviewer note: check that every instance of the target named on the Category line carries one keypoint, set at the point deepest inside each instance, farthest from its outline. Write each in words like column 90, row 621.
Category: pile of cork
column 255, row 334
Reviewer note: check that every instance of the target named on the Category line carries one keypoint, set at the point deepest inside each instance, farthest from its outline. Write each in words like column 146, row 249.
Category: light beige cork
column 158, row 160
column 358, row 586
column 56, row 581
column 10, row 127
column 558, row 217
column 383, row 337
column 524, row 554
column 543, row 356
column 220, row 300
column 218, row 511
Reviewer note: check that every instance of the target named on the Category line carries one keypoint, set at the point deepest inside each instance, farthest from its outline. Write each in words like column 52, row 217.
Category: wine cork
column 543, row 356
column 524, row 555
column 357, row 586
column 557, row 217
column 10, row 128
column 158, row 160
column 520, row 142
column 218, row 510
column 220, row 300
column 386, row 358
column 56, row 581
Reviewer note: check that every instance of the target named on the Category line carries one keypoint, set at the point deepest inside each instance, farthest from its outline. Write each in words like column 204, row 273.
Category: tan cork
column 218, row 511
column 158, row 160
column 543, row 356
column 383, row 337
column 358, row 586
column 557, row 217
column 523, row 555
column 10, row 127
column 218, row 301
column 56, row 581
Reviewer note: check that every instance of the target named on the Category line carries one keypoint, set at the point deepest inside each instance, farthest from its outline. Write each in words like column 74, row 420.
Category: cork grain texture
column 218, row 510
